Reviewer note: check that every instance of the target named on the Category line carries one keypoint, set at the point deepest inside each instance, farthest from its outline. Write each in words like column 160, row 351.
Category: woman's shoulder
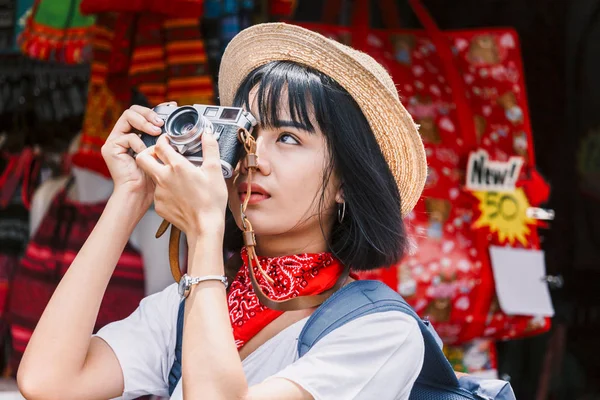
column 144, row 343
column 369, row 357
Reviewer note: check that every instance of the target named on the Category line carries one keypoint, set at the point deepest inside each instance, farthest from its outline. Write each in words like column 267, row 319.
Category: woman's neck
column 288, row 244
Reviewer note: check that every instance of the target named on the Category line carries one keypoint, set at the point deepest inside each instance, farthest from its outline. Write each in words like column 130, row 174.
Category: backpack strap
column 175, row 373
column 361, row 298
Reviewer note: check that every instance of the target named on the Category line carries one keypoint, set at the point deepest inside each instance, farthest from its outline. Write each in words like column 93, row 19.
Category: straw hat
column 365, row 79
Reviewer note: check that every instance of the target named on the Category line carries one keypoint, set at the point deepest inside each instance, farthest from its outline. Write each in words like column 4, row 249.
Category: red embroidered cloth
column 60, row 236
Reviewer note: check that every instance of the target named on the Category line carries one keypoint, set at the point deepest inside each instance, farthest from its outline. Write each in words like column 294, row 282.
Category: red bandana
column 299, row 275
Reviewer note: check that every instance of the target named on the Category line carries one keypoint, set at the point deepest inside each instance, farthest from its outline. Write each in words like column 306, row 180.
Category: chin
column 265, row 223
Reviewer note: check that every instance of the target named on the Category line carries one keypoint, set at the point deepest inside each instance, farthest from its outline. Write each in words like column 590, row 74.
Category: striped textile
column 147, row 70
column 188, row 78
column 49, row 254
column 19, row 176
column 109, row 91
column 162, row 58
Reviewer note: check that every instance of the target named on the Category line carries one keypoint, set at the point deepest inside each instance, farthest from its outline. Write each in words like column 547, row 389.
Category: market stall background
column 43, row 107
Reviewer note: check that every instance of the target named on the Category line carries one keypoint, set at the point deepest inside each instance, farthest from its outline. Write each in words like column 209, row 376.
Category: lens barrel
column 184, row 128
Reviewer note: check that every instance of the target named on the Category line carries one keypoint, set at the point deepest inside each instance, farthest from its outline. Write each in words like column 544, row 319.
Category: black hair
column 372, row 233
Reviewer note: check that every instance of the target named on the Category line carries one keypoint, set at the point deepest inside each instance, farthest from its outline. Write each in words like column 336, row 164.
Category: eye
column 288, row 139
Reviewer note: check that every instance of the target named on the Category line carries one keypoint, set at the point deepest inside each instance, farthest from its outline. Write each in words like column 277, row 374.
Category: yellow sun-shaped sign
column 505, row 213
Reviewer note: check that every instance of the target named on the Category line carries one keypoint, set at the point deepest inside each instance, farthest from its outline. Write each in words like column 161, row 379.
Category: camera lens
column 185, row 127
column 184, row 122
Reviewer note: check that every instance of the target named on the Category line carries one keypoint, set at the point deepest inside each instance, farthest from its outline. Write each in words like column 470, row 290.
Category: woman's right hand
column 115, row 151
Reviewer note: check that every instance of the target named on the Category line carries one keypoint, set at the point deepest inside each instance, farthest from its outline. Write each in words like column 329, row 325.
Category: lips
column 257, row 195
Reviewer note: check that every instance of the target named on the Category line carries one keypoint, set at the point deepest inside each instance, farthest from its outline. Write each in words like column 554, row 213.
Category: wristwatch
column 186, row 282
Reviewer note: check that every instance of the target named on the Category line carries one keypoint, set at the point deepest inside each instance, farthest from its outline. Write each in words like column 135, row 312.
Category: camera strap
column 297, row 303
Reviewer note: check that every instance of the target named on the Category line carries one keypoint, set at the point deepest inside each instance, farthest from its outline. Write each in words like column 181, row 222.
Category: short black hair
column 372, row 234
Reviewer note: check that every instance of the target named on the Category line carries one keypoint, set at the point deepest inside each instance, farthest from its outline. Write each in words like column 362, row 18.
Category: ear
column 339, row 195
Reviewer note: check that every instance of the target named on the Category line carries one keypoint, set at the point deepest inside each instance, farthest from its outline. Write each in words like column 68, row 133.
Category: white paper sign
column 520, row 284
column 498, row 176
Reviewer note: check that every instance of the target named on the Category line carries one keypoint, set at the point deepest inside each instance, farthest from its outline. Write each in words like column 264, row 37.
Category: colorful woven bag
column 56, row 31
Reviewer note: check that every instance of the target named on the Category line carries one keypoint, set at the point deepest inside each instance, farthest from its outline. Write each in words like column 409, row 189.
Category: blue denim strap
column 361, row 298
column 175, row 373
column 436, row 380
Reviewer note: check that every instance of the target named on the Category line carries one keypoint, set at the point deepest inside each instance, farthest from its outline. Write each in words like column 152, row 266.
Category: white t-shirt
column 378, row 356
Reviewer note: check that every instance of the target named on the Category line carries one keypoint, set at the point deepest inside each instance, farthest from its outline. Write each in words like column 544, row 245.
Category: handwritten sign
column 486, row 175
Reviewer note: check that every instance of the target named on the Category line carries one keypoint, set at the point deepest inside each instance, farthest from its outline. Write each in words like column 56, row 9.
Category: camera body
column 184, row 126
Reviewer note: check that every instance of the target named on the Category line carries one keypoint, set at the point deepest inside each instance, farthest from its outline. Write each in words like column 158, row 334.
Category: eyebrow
column 293, row 124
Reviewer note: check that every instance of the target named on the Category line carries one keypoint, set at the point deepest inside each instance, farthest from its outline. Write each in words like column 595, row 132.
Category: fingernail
column 158, row 120
column 156, row 129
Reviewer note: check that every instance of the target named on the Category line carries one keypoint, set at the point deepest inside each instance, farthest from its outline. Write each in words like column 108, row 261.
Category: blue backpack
column 437, row 379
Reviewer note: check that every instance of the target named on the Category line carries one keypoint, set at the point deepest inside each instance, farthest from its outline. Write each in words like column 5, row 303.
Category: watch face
column 184, row 286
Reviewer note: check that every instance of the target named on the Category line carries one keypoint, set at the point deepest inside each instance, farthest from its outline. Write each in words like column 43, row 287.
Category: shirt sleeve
column 378, row 356
column 144, row 344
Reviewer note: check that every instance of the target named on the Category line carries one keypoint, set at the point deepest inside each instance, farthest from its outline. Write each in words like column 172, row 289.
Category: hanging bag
column 466, row 91
column 59, row 237
column 56, row 31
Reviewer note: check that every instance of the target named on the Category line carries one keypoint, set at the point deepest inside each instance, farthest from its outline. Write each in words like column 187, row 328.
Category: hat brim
column 364, row 79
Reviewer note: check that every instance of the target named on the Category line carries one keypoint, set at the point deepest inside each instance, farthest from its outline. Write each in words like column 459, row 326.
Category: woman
column 339, row 162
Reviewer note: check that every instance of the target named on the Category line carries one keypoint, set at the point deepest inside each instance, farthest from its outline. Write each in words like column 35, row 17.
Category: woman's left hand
column 191, row 198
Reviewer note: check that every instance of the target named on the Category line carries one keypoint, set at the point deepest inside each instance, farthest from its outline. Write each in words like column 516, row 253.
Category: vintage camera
column 185, row 125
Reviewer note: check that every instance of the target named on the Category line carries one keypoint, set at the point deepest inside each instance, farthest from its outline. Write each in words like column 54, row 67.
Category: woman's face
column 287, row 187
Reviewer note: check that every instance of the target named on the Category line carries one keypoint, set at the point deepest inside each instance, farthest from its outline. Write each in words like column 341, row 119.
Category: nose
column 264, row 166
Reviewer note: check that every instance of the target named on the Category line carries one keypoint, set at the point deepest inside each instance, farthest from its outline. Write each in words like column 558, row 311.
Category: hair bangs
column 286, row 93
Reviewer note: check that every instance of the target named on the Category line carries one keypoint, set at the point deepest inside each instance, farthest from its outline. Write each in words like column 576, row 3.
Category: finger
column 131, row 120
column 130, row 141
column 150, row 115
column 147, row 161
column 210, row 149
column 166, row 153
